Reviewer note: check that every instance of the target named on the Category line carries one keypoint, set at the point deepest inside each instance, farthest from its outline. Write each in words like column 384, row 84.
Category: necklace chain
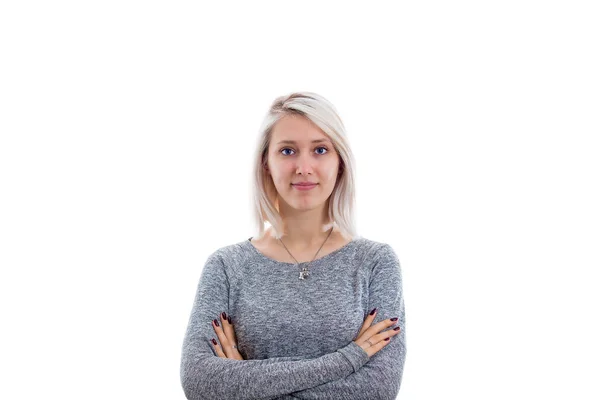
column 304, row 272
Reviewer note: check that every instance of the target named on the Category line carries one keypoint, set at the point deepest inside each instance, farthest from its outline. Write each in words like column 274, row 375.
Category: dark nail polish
column 386, row 339
column 394, row 319
column 214, row 342
column 373, row 311
column 216, row 322
column 229, row 320
column 397, row 328
column 224, row 315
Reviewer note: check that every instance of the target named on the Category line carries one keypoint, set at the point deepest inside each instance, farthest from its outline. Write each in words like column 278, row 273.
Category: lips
column 304, row 186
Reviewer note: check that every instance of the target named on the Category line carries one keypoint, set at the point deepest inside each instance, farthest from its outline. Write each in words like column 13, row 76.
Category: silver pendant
column 304, row 273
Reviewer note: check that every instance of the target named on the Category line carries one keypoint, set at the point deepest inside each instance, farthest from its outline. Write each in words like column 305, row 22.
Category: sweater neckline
column 316, row 260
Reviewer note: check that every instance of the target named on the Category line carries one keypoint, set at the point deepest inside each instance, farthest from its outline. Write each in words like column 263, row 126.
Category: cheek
column 331, row 175
column 281, row 179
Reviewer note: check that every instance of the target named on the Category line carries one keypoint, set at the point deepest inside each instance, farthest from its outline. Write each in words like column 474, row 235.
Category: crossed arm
column 381, row 376
column 347, row 373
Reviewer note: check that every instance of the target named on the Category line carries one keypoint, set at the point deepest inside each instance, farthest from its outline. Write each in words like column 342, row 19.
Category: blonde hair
column 342, row 199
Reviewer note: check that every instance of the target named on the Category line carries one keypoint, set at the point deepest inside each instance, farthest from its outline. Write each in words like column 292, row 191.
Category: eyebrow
column 293, row 142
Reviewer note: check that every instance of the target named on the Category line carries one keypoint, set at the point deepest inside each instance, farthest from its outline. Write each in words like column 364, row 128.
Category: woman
column 306, row 309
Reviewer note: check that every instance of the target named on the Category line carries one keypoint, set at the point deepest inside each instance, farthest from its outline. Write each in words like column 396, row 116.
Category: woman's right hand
column 370, row 340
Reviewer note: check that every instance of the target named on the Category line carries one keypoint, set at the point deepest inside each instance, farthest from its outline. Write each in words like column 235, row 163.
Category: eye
column 320, row 147
column 323, row 147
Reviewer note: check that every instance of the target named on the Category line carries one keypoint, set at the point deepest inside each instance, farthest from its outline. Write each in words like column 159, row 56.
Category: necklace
column 304, row 272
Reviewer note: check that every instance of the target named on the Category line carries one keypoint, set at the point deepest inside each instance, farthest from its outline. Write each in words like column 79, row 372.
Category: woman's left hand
column 226, row 335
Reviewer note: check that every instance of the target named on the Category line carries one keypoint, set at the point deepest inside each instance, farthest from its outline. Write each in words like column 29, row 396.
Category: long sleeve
column 381, row 376
column 207, row 376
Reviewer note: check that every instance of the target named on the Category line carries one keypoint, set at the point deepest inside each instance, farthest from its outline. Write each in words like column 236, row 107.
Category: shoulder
column 232, row 254
column 377, row 257
column 373, row 249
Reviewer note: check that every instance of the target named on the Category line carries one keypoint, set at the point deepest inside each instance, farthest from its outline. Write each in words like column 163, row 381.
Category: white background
column 127, row 130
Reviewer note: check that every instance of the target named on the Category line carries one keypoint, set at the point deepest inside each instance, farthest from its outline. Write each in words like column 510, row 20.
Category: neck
column 305, row 229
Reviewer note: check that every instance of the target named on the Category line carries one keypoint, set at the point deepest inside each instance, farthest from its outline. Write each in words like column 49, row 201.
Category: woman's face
column 293, row 157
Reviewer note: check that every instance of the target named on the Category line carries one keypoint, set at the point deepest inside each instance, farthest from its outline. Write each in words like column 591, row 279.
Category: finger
column 378, row 346
column 230, row 334
column 221, row 335
column 368, row 321
column 226, row 336
column 218, row 349
column 230, row 321
column 381, row 325
column 385, row 334
column 228, row 327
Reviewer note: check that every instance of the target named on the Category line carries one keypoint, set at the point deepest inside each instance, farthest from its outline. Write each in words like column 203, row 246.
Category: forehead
column 297, row 129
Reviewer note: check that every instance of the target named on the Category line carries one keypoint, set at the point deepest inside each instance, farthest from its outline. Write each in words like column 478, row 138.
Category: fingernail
column 386, row 339
column 214, row 342
column 394, row 319
column 216, row 322
column 373, row 311
column 397, row 328
column 224, row 315
column 229, row 319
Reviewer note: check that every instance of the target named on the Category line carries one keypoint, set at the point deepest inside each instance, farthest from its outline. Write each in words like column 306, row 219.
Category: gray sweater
column 296, row 336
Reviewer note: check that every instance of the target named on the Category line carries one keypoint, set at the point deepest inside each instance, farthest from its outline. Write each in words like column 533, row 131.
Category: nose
column 304, row 164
